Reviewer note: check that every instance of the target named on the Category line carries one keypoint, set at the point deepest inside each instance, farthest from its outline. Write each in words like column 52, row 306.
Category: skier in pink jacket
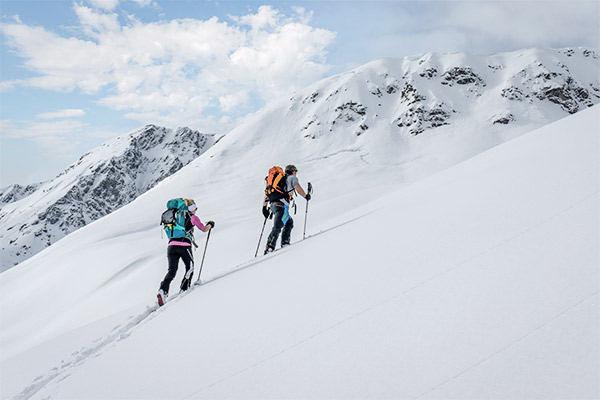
column 181, row 248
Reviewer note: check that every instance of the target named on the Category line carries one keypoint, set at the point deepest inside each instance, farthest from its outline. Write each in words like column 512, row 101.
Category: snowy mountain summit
column 420, row 114
column 103, row 180
column 480, row 281
column 446, row 94
column 433, row 266
column 434, row 90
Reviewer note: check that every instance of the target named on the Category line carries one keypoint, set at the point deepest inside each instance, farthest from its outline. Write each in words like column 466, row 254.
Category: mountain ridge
column 406, row 113
column 101, row 181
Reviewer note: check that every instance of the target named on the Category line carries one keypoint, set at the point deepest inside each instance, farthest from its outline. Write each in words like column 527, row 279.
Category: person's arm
column 300, row 191
column 198, row 224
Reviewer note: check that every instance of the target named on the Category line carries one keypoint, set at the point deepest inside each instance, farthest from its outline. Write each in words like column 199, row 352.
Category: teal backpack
column 175, row 218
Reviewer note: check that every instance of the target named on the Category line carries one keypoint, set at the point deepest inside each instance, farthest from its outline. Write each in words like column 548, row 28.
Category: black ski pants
column 174, row 254
column 278, row 209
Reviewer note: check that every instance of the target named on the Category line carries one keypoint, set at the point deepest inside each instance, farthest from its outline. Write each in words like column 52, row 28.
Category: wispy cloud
column 174, row 69
column 57, row 137
column 107, row 5
column 68, row 113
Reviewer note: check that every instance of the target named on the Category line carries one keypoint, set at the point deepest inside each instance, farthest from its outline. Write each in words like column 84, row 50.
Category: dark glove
column 211, row 223
column 307, row 197
column 266, row 212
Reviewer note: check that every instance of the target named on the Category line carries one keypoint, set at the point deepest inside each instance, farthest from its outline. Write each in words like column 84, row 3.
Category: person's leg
column 286, row 235
column 277, row 209
column 173, row 260
column 188, row 259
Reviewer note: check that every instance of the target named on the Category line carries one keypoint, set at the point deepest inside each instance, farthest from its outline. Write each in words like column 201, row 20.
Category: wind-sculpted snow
column 102, row 181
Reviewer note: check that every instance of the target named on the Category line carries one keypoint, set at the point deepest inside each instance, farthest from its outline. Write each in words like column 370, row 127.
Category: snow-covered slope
column 469, row 102
column 422, row 280
column 421, row 114
column 481, row 281
column 103, row 180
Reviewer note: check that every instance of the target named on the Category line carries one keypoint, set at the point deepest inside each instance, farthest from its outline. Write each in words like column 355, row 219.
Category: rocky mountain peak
column 100, row 182
column 419, row 94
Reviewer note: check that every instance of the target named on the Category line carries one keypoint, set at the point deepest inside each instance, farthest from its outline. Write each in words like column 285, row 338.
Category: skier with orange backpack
column 280, row 186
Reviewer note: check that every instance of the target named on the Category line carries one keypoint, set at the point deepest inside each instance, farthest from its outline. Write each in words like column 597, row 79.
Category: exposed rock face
column 14, row 193
column 376, row 110
column 102, row 181
column 422, row 93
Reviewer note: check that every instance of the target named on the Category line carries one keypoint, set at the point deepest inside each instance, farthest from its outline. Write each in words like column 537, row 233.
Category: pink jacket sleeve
column 197, row 223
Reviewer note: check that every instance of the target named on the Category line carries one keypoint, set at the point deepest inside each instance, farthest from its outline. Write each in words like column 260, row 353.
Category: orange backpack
column 275, row 189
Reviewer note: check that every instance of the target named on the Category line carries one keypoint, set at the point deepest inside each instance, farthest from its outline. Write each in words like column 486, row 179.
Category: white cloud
column 67, row 113
column 37, row 130
column 57, row 138
column 107, row 5
column 266, row 17
column 61, row 139
column 376, row 29
column 495, row 25
column 145, row 3
column 231, row 101
column 94, row 23
column 172, row 69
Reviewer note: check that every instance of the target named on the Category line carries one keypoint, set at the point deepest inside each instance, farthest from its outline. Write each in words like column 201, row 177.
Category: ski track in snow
column 120, row 332
column 423, row 283
column 59, row 373
column 511, row 344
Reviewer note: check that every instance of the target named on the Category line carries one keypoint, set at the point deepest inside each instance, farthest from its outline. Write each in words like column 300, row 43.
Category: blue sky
column 75, row 74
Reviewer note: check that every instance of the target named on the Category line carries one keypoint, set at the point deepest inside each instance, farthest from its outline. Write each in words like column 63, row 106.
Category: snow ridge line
column 123, row 332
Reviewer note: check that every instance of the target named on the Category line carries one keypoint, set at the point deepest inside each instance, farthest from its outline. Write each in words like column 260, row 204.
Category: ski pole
column 203, row 255
column 261, row 234
column 306, row 211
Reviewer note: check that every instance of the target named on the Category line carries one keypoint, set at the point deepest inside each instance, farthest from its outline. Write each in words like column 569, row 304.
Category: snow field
column 481, row 281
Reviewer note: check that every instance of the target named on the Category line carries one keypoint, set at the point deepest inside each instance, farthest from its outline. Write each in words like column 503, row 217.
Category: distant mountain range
column 103, row 180
column 419, row 114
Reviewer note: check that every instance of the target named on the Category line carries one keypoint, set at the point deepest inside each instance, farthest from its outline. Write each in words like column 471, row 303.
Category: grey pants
column 278, row 209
